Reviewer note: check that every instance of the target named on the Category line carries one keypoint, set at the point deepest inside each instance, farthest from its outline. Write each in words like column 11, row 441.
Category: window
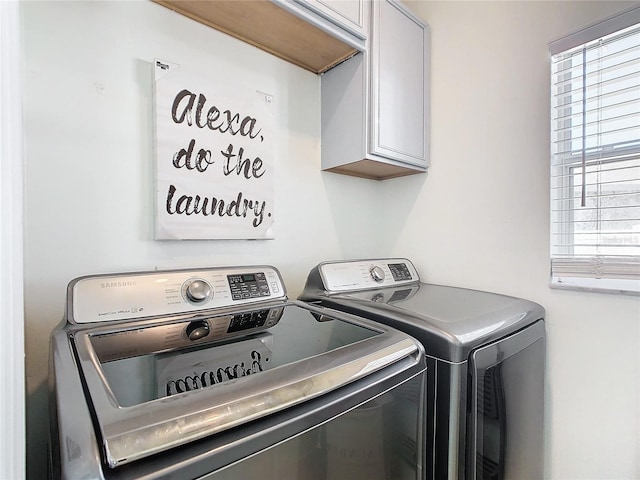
column 595, row 157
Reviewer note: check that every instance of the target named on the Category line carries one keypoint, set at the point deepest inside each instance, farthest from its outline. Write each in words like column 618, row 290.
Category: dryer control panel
column 366, row 274
column 104, row 298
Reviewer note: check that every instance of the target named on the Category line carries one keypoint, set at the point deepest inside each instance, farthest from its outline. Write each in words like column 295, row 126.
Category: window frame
column 569, row 269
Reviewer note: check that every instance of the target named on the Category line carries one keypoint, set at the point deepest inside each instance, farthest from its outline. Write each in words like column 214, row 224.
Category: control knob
column 376, row 273
column 197, row 329
column 198, row 291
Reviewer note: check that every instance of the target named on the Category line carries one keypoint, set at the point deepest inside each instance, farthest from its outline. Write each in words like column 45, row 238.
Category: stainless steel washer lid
column 313, row 361
column 449, row 321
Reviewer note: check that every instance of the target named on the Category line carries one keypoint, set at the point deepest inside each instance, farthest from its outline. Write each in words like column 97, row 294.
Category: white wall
column 481, row 219
column 89, row 166
column 478, row 219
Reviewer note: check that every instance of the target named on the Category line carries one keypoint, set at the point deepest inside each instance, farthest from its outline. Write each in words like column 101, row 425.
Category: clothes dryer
column 486, row 361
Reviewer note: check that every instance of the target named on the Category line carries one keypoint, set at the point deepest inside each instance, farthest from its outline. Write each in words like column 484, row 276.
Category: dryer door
column 507, row 404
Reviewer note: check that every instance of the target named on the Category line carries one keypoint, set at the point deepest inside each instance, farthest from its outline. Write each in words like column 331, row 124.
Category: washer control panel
column 103, row 298
column 365, row 274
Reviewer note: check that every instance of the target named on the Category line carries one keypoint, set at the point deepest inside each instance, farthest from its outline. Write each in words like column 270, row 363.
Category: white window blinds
column 595, row 163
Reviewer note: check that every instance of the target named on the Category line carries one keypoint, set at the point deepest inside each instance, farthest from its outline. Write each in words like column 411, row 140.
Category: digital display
column 399, row 271
column 248, row 285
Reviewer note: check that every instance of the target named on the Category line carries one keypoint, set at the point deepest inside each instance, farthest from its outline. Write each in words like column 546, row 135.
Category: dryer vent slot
column 491, row 402
column 491, row 432
column 486, row 468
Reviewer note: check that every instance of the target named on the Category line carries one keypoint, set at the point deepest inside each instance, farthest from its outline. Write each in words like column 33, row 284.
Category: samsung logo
column 117, row 284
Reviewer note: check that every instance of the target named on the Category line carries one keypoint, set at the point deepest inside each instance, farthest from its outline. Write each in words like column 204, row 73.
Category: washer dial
column 198, row 291
column 376, row 273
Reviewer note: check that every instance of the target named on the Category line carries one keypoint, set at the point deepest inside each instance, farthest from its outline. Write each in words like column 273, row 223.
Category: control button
column 376, row 273
column 198, row 291
column 197, row 329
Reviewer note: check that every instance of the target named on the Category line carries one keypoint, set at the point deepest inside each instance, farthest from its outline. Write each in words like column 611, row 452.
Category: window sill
column 597, row 285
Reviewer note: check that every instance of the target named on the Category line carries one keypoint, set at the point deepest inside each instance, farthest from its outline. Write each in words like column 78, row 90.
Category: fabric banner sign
column 214, row 159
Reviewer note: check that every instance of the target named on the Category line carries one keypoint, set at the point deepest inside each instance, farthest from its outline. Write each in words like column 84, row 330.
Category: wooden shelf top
column 268, row 27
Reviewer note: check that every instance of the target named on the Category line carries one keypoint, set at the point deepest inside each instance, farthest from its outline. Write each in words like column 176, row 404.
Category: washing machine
column 213, row 373
column 484, row 406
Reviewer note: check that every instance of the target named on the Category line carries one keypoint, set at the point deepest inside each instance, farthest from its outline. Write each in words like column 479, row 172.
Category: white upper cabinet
column 375, row 106
column 399, row 86
column 351, row 15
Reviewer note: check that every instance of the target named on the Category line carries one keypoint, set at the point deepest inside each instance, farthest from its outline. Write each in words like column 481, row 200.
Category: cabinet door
column 334, row 17
column 400, row 84
column 352, row 15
